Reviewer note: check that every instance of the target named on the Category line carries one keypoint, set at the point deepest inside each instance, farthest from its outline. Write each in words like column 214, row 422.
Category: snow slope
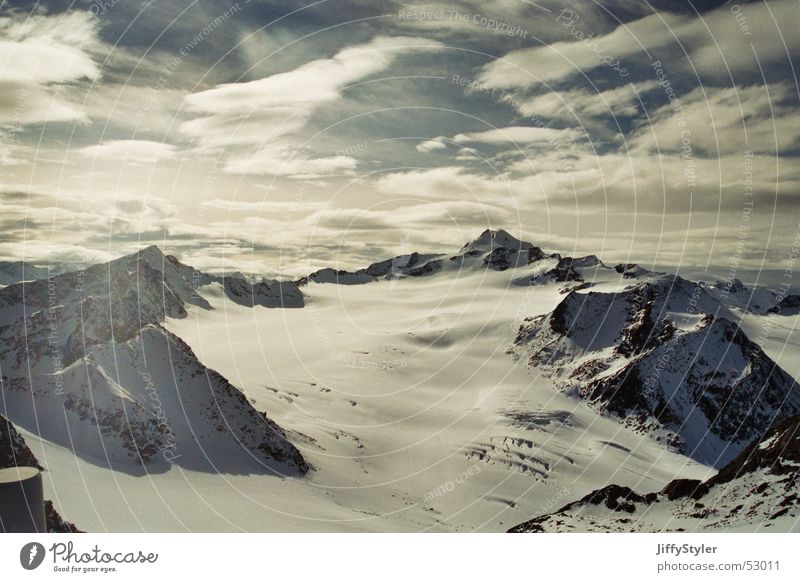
column 400, row 395
column 757, row 491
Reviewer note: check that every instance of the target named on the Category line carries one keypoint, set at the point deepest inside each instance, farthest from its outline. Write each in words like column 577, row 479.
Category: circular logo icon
column 31, row 555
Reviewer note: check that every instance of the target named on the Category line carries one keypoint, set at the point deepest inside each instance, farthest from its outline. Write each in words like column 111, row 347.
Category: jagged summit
column 491, row 239
column 663, row 357
column 150, row 252
column 493, row 249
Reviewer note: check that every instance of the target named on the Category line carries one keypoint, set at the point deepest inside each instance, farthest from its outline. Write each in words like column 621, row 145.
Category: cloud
column 264, row 206
column 132, row 151
column 522, row 138
column 540, row 65
column 520, row 135
column 274, row 109
column 411, row 217
column 71, row 226
column 39, row 54
column 716, row 47
column 282, row 161
column 47, row 49
column 256, row 111
column 431, row 145
column 446, row 182
column 761, row 118
column 576, row 104
column 8, row 157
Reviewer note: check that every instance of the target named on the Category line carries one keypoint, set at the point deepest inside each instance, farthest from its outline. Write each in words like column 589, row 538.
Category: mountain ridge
column 760, row 486
column 81, row 349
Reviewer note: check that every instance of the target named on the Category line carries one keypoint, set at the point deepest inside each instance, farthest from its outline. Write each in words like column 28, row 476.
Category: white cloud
column 273, row 109
column 132, row 151
column 725, row 121
column 278, row 161
column 282, row 103
column 448, row 183
column 714, row 44
column 263, row 206
column 431, row 145
column 466, row 154
column 575, row 104
column 411, row 216
column 520, row 135
column 7, row 157
column 38, row 54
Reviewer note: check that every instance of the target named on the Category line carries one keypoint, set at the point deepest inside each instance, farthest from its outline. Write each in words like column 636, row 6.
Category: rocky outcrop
column 789, row 305
column 14, row 452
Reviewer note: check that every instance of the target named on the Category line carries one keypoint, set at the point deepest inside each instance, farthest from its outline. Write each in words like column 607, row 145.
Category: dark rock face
column 778, row 453
column 789, row 305
column 731, row 286
column 108, row 302
column 429, row 268
column 395, row 265
column 56, row 523
column 565, row 271
column 630, row 270
column 14, row 452
column 616, row 498
column 502, row 258
column 265, row 293
column 680, row 488
column 411, row 265
column 653, row 356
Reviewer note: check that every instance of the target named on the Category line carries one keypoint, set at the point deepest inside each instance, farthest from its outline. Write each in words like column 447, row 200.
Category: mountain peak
column 150, row 253
column 491, row 239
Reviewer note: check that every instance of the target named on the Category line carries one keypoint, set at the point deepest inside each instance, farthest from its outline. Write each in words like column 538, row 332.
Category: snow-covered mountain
column 87, row 364
column 753, row 299
column 16, row 271
column 496, row 250
column 758, row 490
column 398, row 391
column 664, row 356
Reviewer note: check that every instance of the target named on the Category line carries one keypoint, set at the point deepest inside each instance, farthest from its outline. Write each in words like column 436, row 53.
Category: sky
column 280, row 137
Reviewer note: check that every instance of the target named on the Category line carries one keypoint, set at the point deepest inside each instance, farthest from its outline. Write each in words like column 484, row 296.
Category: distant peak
column 151, row 250
column 150, row 254
column 496, row 238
